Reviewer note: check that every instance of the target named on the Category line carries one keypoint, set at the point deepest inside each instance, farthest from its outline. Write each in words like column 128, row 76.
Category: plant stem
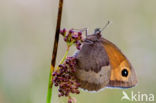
column 50, row 84
column 65, row 55
column 54, row 53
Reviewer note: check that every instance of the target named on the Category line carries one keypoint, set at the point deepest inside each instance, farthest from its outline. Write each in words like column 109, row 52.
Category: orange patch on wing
column 117, row 60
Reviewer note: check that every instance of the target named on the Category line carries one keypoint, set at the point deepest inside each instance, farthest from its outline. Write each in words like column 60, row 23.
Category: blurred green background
column 27, row 29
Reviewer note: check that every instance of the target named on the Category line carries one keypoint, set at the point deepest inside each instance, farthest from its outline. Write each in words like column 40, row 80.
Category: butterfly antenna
column 105, row 26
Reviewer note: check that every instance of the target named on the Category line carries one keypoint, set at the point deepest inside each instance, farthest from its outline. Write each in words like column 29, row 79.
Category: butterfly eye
column 124, row 72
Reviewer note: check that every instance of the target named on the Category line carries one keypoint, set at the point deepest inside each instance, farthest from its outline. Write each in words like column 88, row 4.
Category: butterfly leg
column 82, row 30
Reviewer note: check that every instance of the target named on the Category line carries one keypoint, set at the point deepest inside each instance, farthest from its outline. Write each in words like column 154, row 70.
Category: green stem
column 50, row 84
column 65, row 56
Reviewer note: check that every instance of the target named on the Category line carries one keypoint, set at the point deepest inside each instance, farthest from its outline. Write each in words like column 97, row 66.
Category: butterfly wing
column 93, row 67
column 122, row 73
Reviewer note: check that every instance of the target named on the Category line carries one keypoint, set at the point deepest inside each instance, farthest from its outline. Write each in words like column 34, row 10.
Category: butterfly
column 100, row 64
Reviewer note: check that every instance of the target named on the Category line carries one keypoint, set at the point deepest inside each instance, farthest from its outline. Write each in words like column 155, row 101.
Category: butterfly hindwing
column 122, row 73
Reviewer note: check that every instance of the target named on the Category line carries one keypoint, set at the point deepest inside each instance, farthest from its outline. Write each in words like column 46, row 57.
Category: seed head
column 72, row 37
column 64, row 78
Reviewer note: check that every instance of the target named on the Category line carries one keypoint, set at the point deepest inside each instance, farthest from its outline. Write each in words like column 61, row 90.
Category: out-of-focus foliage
column 27, row 29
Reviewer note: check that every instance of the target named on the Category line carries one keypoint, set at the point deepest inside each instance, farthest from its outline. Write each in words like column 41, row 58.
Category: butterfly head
column 95, row 37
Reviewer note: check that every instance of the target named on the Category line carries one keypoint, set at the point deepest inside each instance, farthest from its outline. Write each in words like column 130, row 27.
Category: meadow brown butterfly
column 101, row 64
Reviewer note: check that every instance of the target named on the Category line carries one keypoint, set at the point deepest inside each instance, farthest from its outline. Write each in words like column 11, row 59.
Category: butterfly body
column 101, row 64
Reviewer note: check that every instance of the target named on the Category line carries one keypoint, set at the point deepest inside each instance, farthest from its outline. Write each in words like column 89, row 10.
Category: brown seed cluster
column 72, row 37
column 64, row 78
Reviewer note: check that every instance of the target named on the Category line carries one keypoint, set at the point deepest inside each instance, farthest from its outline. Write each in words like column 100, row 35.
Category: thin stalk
column 54, row 53
column 65, row 56
column 49, row 93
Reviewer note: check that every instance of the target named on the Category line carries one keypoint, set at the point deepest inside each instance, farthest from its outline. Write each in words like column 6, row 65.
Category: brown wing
column 122, row 73
column 92, row 68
